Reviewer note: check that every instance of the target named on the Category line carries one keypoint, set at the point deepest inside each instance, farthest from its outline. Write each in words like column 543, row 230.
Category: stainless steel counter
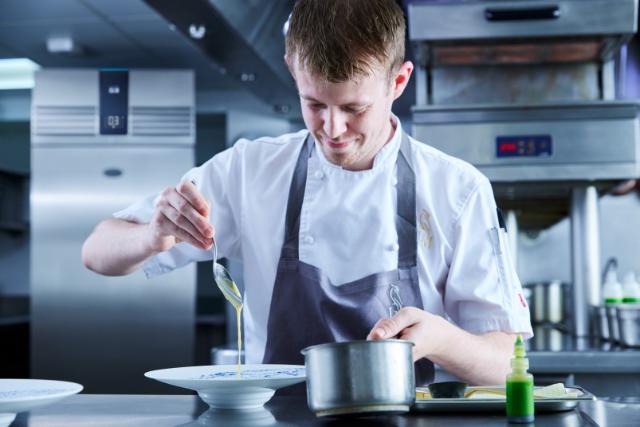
column 605, row 369
column 183, row 410
column 552, row 351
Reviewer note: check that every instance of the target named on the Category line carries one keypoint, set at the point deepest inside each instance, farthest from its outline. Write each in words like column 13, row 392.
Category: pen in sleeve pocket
column 501, row 222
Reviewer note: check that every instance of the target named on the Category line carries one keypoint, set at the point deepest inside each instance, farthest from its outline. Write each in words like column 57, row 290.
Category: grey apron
column 307, row 309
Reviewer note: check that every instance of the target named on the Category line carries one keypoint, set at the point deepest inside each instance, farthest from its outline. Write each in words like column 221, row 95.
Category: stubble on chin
column 338, row 159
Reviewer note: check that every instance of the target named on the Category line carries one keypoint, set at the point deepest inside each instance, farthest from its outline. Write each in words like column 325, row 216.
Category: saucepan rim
column 304, row 351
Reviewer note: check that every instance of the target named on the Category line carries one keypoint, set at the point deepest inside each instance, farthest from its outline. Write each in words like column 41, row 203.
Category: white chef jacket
column 347, row 229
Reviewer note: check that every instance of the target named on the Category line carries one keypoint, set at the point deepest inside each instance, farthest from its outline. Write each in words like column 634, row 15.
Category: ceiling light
column 17, row 73
column 63, row 45
column 197, row 31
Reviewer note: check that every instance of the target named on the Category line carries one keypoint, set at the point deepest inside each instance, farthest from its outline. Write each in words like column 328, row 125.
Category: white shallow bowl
column 18, row 395
column 221, row 388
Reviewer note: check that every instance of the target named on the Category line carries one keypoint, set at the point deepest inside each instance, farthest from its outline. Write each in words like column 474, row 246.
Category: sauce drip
column 232, row 294
column 238, row 317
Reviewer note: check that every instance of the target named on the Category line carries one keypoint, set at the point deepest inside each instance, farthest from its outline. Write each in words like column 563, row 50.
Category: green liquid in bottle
column 520, row 405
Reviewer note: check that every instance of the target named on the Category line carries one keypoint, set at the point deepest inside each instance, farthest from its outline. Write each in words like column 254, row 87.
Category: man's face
column 351, row 120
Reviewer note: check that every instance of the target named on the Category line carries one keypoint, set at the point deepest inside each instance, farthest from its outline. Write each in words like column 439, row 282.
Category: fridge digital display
column 114, row 102
column 524, row 146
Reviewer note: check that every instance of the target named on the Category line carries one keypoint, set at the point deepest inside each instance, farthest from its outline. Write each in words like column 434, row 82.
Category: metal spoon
column 223, row 279
column 225, row 282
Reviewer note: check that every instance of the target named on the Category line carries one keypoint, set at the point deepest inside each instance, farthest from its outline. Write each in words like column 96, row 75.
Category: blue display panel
column 114, row 101
column 524, row 146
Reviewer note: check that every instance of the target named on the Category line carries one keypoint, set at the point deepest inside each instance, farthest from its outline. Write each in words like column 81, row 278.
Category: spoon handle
column 214, row 247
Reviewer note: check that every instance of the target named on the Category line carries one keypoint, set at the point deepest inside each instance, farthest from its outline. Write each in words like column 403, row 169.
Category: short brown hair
column 342, row 39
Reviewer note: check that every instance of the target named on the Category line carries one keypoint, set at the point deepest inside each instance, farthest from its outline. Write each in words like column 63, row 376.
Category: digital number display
column 524, row 146
column 114, row 102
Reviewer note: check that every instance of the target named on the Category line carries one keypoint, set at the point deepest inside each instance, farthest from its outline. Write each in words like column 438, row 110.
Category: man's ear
column 287, row 61
column 401, row 79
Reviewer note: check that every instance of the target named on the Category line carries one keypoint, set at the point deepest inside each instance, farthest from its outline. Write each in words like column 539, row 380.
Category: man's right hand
column 181, row 215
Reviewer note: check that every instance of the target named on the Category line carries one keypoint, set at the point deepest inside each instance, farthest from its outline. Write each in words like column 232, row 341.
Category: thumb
column 391, row 327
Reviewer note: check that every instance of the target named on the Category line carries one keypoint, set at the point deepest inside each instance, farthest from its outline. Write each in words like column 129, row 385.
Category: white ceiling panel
column 99, row 38
column 124, row 33
column 119, row 9
column 5, row 52
column 21, row 12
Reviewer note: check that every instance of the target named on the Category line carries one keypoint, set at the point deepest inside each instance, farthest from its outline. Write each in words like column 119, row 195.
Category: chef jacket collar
column 386, row 156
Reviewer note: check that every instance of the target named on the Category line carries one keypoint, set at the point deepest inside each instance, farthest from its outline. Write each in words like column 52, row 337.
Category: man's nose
column 335, row 124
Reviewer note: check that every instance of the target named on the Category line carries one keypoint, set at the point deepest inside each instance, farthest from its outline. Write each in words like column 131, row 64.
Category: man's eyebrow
column 349, row 104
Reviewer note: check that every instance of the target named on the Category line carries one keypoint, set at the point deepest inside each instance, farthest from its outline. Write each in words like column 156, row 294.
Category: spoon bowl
column 224, row 281
column 226, row 285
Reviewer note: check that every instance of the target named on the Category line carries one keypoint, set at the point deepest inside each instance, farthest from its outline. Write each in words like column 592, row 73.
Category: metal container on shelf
column 612, row 320
column 628, row 316
column 547, row 301
column 600, row 322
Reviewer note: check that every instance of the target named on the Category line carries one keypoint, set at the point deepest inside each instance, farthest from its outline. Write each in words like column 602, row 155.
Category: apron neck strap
column 406, row 202
column 406, row 207
column 294, row 205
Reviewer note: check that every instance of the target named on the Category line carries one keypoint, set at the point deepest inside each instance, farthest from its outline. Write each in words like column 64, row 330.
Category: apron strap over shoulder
column 406, row 216
column 296, row 196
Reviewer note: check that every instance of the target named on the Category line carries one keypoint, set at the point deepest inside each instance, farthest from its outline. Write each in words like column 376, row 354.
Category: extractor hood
column 245, row 39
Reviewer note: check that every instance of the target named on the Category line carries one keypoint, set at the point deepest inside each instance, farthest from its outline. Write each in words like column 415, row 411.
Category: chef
column 348, row 229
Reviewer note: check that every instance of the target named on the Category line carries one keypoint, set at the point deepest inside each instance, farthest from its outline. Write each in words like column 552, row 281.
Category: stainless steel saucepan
column 360, row 377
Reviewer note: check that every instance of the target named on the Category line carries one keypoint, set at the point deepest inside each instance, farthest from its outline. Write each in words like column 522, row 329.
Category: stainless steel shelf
column 555, row 352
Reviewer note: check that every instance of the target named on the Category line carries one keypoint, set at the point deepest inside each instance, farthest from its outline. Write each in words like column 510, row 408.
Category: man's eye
column 355, row 110
column 316, row 106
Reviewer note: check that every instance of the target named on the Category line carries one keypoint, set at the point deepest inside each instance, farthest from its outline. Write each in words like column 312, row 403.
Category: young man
column 349, row 229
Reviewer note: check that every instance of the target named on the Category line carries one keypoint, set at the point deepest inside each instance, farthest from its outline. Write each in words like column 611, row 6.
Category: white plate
column 221, row 387
column 18, row 395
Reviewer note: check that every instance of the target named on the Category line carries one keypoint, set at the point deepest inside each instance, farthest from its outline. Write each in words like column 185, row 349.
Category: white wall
column 548, row 256
column 247, row 116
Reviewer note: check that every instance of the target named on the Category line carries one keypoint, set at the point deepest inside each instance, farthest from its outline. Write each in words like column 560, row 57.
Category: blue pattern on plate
column 13, row 394
column 254, row 374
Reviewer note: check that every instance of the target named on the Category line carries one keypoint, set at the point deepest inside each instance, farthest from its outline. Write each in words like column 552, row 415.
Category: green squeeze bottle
column 520, row 407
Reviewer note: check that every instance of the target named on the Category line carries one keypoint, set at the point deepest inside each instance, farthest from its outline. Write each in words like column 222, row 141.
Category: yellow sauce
column 226, row 287
column 238, row 317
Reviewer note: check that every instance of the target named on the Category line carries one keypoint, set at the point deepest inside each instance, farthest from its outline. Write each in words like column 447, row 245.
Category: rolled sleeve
column 483, row 293
column 140, row 212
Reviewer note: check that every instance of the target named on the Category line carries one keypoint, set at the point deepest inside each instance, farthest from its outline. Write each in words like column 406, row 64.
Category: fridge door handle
column 112, row 172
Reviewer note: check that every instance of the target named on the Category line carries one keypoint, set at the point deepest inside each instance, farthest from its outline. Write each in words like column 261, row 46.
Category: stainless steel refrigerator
column 101, row 140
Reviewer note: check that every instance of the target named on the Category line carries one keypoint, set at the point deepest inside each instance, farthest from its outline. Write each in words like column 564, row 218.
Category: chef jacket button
column 319, row 175
column 394, row 247
column 309, row 240
column 394, row 181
